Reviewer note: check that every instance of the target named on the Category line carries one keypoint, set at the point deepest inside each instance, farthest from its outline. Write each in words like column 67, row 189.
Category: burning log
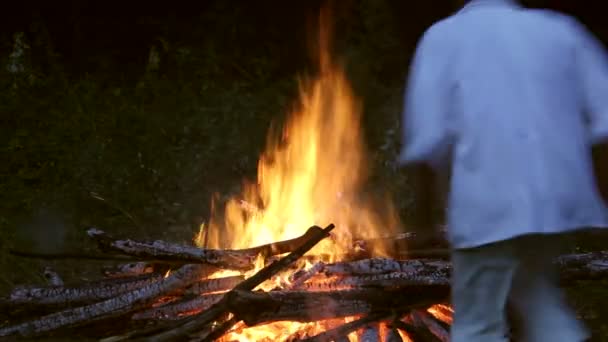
column 422, row 319
column 176, row 309
column 79, row 294
column 395, row 279
column 162, row 250
column 125, row 303
column 214, row 285
column 306, row 306
column 385, row 265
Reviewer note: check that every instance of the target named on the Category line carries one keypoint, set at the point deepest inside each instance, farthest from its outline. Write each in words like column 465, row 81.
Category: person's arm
column 425, row 121
column 592, row 68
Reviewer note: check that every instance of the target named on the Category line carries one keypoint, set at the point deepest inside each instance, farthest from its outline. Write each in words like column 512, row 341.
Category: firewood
column 300, row 277
column 162, row 250
column 214, row 285
column 77, row 294
column 177, row 309
column 394, row 279
column 129, row 269
column 305, row 306
column 422, row 319
column 345, row 329
column 220, row 308
column 116, row 306
column 385, row 265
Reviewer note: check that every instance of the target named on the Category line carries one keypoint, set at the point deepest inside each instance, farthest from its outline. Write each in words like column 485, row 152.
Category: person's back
column 517, row 97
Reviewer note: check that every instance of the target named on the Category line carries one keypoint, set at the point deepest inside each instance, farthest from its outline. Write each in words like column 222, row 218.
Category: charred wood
column 422, row 319
column 176, row 310
column 77, row 294
column 214, row 285
column 305, row 306
column 162, row 250
column 116, row 306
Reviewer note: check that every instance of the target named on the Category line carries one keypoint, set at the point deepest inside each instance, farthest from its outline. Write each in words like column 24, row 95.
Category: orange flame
column 313, row 173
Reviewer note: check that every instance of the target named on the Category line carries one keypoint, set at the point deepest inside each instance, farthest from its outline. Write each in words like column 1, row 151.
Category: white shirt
column 517, row 97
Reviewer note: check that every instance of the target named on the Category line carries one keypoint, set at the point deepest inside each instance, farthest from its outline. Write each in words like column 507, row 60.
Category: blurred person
column 511, row 100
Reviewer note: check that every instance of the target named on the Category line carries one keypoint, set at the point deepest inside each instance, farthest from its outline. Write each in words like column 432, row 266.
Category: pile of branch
column 171, row 292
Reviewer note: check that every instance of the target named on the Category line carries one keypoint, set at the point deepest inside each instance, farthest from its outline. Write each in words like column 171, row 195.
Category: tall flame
column 312, row 173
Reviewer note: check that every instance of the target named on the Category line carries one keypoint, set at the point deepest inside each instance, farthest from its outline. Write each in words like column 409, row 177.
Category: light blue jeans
column 518, row 273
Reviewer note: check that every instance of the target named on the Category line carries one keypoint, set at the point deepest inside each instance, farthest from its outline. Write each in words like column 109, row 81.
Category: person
column 511, row 99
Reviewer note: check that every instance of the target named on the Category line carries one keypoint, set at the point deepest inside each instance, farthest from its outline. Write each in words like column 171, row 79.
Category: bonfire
column 301, row 255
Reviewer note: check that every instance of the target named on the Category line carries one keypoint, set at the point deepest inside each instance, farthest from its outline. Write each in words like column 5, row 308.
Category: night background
column 157, row 106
